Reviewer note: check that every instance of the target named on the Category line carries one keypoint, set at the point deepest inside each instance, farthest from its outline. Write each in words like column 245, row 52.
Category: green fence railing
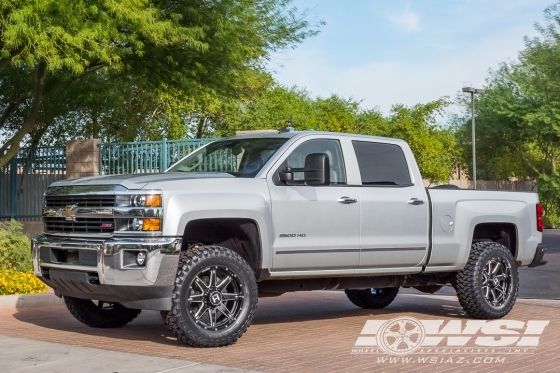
column 144, row 156
column 24, row 179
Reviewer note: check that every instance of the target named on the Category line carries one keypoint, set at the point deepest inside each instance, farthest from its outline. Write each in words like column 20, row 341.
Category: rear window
column 381, row 164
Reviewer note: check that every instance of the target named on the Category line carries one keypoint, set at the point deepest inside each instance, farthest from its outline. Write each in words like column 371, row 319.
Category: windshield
column 239, row 157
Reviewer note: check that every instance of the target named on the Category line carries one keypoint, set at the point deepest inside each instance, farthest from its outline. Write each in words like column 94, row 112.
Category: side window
column 330, row 147
column 381, row 164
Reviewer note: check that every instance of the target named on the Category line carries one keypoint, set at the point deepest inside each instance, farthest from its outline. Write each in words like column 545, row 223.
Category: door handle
column 415, row 201
column 347, row 200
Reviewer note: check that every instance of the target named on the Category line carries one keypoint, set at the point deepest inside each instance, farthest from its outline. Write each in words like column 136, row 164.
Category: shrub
column 14, row 282
column 15, row 247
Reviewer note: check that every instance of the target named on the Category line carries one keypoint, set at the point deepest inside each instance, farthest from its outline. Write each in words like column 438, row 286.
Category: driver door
column 315, row 227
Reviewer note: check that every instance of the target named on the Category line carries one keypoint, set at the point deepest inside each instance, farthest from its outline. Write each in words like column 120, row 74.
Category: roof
column 303, row 133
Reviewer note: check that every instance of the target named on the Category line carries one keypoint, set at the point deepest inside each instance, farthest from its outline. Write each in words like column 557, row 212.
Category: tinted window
column 381, row 164
column 330, row 147
column 238, row 157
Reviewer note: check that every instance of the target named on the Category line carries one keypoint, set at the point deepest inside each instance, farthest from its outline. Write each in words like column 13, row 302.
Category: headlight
column 144, row 224
column 139, row 212
column 145, row 200
column 139, row 200
column 135, row 224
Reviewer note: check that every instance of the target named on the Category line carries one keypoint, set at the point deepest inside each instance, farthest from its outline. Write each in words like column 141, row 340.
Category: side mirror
column 317, row 171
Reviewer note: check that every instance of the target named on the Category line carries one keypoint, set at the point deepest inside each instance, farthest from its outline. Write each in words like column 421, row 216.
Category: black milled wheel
column 487, row 287
column 100, row 315
column 214, row 298
column 372, row 298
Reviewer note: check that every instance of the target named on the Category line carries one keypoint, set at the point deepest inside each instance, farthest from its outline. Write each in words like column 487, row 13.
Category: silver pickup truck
column 260, row 215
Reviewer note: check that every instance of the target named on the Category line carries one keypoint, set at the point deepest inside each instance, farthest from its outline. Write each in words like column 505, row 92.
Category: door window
column 326, row 146
column 381, row 164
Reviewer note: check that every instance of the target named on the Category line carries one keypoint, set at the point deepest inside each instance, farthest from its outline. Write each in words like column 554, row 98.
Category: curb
column 29, row 300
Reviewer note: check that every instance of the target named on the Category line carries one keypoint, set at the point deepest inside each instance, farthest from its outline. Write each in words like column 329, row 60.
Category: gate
column 25, row 178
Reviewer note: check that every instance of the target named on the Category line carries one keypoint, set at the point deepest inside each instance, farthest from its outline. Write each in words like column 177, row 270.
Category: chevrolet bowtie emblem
column 69, row 213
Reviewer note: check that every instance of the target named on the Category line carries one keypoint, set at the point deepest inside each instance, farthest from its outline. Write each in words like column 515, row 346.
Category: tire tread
column 465, row 283
column 364, row 299
column 85, row 311
column 187, row 260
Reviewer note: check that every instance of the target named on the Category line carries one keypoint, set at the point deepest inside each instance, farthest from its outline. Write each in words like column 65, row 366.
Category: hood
column 138, row 181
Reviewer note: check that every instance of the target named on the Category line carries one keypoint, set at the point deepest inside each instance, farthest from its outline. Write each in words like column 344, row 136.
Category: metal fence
column 24, row 179
column 144, row 157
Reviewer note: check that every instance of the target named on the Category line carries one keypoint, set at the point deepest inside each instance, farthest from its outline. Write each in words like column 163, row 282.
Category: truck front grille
column 80, row 225
column 90, row 200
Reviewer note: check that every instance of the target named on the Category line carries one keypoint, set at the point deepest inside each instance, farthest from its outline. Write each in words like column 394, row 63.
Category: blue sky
column 394, row 51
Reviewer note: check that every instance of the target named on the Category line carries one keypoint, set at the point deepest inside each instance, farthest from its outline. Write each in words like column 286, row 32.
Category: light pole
column 473, row 91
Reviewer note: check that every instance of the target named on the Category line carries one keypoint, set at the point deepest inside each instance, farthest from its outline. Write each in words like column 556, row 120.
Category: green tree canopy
column 518, row 117
column 92, row 65
column 268, row 105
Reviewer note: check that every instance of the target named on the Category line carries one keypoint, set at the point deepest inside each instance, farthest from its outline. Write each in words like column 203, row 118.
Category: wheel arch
column 504, row 233
column 241, row 235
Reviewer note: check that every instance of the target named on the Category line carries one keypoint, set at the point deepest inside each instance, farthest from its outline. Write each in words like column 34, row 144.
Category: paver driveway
column 310, row 332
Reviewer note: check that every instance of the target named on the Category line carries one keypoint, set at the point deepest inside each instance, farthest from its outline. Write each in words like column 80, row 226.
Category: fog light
column 141, row 258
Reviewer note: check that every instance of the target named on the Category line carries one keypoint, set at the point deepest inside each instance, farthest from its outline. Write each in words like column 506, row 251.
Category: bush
column 549, row 194
column 14, row 282
column 15, row 247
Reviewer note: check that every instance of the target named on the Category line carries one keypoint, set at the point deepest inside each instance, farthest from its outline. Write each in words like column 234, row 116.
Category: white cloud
column 383, row 83
column 408, row 20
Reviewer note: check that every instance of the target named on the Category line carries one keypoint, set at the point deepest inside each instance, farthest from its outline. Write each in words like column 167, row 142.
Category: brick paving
column 298, row 332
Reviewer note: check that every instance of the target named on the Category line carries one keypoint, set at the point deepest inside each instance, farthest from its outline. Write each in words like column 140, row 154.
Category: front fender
column 183, row 208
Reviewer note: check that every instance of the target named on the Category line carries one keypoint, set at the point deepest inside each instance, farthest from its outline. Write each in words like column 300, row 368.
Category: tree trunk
column 553, row 159
column 11, row 147
column 200, row 126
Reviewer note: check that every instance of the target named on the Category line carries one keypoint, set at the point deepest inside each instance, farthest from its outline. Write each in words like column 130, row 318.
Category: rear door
column 394, row 206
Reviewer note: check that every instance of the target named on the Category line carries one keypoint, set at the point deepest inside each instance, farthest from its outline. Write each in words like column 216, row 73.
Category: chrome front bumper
column 107, row 269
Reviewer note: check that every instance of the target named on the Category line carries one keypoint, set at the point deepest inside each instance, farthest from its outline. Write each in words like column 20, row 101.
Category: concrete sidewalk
column 29, row 300
column 24, row 355
column 297, row 332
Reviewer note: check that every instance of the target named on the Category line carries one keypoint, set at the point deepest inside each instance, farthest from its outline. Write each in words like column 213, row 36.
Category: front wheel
column 372, row 298
column 100, row 315
column 487, row 287
column 214, row 298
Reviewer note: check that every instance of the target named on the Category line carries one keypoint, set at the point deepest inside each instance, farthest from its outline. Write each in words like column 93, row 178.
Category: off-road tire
column 469, row 281
column 180, row 319
column 165, row 318
column 87, row 312
column 365, row 298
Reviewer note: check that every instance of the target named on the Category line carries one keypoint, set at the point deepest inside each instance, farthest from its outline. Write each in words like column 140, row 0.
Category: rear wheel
column 487, row 287
column 372, row 298
column 100, row 314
